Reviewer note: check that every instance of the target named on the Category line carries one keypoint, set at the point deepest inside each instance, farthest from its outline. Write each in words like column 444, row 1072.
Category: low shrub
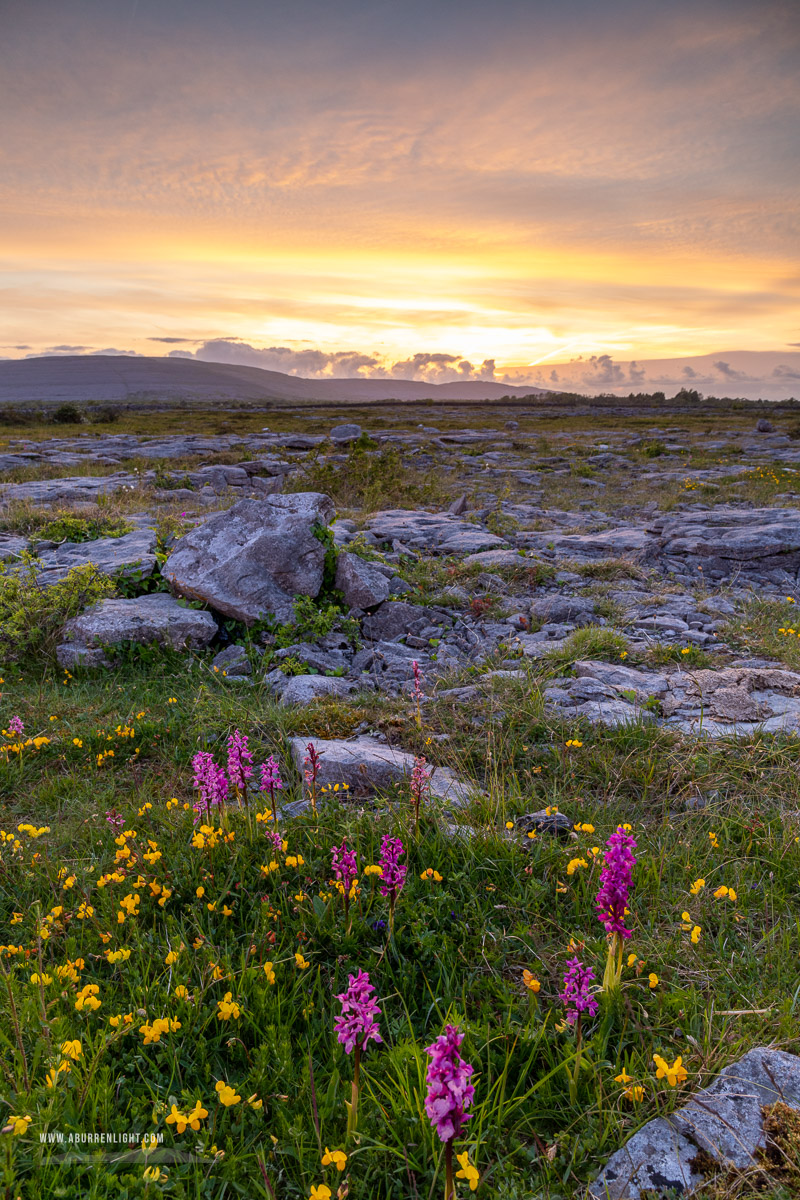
column 31, row 614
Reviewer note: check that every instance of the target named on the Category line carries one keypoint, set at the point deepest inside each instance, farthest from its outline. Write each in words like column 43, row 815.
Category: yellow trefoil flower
column 19, row 1126
column 467, row 1171
column 226, row 1094
column 531, row 984
column 337, row 1158
column 228, row 1008
column 675, row 1074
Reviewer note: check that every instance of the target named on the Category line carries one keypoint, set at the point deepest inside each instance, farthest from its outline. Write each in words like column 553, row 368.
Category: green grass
column 770, row 628
column 505, row 904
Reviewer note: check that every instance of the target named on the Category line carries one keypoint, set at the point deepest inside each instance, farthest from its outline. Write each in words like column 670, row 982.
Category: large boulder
column 156, row 618
column 251, row 561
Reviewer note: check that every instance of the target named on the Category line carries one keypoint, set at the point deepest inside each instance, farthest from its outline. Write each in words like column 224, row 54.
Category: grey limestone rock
column 362, row 584
column 233, row 662
column 656, row 1159
column 369, row 766
column 156, row 618
column 251, row 561
column 724, row 1120
column 345, row 433
column 556, row 609
column 134, row 552
column 395, row 618
column 302, row 689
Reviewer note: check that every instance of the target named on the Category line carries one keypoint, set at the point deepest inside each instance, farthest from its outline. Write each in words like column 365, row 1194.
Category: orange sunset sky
column 417, row 189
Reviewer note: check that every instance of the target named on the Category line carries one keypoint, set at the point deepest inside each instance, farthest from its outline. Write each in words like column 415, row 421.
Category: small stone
column 545, row 822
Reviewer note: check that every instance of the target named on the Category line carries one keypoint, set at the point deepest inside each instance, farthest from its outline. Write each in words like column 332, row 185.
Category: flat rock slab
column 627, row 542
column 491, row 559
column 133, row 553
column 724, row 1120
column 439, row 533
column 643, row 683
column 733, row 534
column 79, row 487
column 253, row 560
column 155, row 618
column 370, row 766
column 12, row 546
column 302, row 689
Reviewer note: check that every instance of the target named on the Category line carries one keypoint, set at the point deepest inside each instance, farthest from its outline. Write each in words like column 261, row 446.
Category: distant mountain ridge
column 105, row 378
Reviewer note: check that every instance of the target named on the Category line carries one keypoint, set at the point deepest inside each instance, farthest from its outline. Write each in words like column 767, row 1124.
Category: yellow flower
column 269, row 971
column 181, row 992
column 197, row 1115
column 430, row 874
column 320, row 1191
column 695, row 934
column 153, row 1174
column 531, row 984
column 87, row 998
column 723, row 891
column 115, row 956
column 373, row 869
column 623, row 1077
column 19, row 1126
column 467, row 1171
column 226, row 1094
column 634, row 1093
column 573, row 742
column 301, row 962
column 228, row 1008
column 712, row 837
column 255, row 1102
column 675, row 1074
column 574, row 863
column 178, row 1119
column 337, row 1158
column 72, row 1049
column 171, row 958
column 652, row 979
column 697, row 886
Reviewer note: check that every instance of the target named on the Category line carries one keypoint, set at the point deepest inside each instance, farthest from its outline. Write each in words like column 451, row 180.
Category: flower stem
column 449, row 1185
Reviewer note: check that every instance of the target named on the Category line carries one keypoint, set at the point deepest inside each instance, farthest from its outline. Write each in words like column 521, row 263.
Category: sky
column 435, row 189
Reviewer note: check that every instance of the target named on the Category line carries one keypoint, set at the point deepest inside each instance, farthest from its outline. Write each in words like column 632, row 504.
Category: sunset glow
column 517, row 183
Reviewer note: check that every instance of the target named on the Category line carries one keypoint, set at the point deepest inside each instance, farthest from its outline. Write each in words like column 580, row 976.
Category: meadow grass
column 505, row 904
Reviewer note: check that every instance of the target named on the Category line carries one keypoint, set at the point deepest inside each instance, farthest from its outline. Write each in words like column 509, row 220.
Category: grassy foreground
column 173, row 929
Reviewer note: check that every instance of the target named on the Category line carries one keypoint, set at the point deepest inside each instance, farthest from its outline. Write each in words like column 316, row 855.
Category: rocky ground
column 620, row 612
